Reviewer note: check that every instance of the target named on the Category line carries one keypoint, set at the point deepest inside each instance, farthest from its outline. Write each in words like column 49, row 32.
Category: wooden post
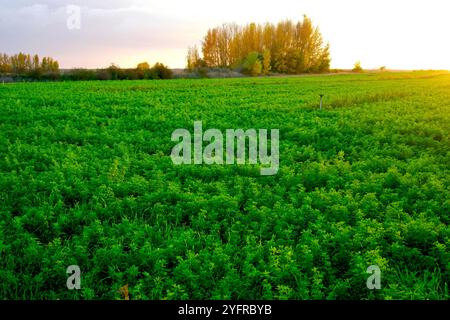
column 321, row 96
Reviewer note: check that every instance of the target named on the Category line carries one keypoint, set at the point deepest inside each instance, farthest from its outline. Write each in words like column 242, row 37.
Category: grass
column 87, row 179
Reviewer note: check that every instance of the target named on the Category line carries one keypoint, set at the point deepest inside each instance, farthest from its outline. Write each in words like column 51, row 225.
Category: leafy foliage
column 357, row 67
column 86, row 179
column 252, row 64
column 26, row 66
column 288, row 47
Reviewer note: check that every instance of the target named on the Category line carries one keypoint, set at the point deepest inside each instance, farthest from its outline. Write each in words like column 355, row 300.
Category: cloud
column 107, row 28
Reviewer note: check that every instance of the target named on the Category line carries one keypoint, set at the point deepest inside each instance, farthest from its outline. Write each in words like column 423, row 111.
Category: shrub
column 252, row 65
column 160, row 71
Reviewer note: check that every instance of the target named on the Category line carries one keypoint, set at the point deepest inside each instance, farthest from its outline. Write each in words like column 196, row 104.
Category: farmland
column 86, row 179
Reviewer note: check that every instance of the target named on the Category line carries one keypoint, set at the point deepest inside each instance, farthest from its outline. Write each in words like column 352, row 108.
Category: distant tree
column 210, row 48
column 114, row 72
column 357, row 67
column 50, row 68
column 383, row 68
column 35, row 71
column 324, row 60
column 5, row 64
column 36, row 62
column 44, row 64
column 141, row 72
column 266, row 62
column 28, row 64
column 143, row 66
column 19, row 63
column 160, row 71
column 193, row 58
column 54, row 66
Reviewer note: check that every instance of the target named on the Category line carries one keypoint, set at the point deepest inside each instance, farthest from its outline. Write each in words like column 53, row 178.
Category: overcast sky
column 399, row 34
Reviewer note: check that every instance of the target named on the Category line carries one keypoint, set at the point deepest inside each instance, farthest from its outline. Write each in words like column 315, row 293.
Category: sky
column 398, row 34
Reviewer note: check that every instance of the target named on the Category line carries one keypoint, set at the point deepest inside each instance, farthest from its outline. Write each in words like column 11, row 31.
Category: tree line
column 29, row 66
column 285, row 47
column 143, row 71
column 24, row 66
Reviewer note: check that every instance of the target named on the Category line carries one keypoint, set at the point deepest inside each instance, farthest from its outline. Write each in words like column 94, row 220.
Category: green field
column 87, row 179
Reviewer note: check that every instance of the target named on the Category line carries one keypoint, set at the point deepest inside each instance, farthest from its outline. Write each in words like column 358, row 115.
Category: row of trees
column 114, row 72
column 30, row 66
column 286, row 47
column 25, row 66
